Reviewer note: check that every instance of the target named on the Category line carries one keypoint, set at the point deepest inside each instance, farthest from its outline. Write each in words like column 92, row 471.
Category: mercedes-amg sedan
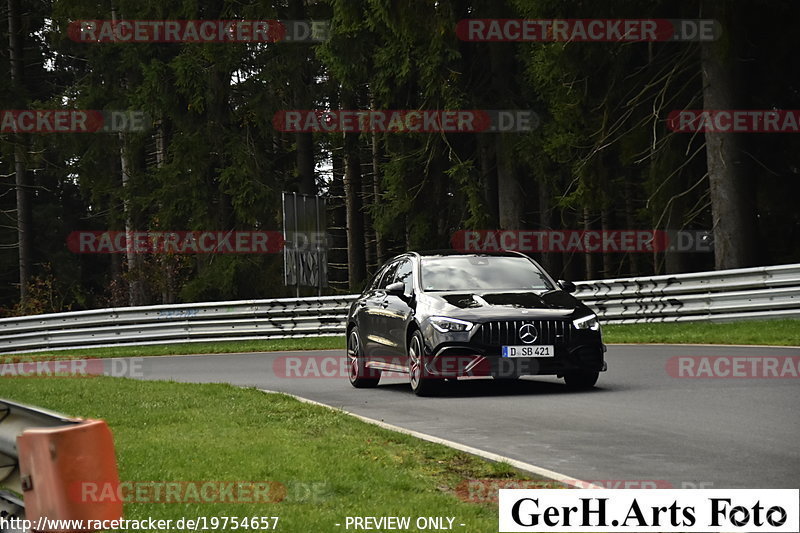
column 445, row 315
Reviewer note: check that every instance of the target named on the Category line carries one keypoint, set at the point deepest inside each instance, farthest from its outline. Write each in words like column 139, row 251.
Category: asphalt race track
column 640, row 423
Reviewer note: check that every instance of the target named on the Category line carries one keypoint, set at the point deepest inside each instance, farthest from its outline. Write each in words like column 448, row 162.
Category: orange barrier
column 55, row 460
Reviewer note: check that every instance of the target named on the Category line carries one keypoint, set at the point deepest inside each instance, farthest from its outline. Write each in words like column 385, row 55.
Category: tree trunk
column 367, row 201
column 489, row 178
column 605, row 225
column 368, row 208
column 136, row 289
column 23, row 218
column 588, row 260
column 380, row 247
column 167, row 263
column 509, row 192
column 337, row 253
column 356, row 259
column 731, row 190
column 674, row 260
column 302, row 97
column 15, row 53
column 633, row 257
column 550, row 260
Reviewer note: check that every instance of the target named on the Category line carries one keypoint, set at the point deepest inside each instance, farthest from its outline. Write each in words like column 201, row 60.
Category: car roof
column 452, row 253
column 435, row 253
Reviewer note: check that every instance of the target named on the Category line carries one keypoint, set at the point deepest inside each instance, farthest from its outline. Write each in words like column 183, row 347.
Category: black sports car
column 445, row 315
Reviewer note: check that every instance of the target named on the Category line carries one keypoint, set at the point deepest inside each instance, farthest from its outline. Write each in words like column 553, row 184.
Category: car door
column 363, row 315
column 374, row 316
column 397, row 311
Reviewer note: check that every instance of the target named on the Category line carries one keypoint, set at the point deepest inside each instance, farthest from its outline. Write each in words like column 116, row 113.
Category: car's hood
column 487, row 303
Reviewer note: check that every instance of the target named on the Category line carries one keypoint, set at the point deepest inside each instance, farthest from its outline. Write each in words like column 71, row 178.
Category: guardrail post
column 57, row 462
column 60, row 466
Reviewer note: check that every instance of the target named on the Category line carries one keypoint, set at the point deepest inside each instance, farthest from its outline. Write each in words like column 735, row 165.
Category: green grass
column 331, row 464
column 766, row 332
column 267, row 345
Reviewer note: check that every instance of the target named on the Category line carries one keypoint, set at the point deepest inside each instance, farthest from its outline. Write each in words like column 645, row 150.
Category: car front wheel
column 581, row 380
column 360, row 376
column 421, row 382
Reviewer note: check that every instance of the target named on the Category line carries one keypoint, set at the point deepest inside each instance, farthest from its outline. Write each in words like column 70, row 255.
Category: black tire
column 422, row 383
column 581, row 380
column 360, row 376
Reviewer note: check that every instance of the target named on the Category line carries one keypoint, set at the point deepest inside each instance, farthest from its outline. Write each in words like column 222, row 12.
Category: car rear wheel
column 421, row 382
column 360, row 376
column 581, row 380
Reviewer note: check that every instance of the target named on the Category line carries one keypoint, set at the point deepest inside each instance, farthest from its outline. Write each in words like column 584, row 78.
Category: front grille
column 506, row 333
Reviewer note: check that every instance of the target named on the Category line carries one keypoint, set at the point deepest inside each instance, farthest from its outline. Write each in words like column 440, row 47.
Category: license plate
column 543, row 350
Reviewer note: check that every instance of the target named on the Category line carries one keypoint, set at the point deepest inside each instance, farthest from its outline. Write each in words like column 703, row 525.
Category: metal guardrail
column 752, row 293
column 721, row 295
column 43, row 455
column 179, row 323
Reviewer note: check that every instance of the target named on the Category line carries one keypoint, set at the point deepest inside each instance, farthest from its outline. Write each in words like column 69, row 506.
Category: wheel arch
column 410, row 329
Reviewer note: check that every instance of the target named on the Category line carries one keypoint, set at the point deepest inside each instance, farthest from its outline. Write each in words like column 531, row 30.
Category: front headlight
column 587, row 322
column 445, row 324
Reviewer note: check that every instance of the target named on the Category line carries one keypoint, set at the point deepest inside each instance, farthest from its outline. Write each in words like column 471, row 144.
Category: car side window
column 404, row 274
column 373, row 284
column 388, row 275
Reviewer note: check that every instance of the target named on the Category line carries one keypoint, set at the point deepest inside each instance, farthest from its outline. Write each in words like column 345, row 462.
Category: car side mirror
column 398, row 288
column 567, row 286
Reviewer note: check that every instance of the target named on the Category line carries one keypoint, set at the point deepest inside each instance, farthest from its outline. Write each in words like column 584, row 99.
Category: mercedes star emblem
column 528, row 333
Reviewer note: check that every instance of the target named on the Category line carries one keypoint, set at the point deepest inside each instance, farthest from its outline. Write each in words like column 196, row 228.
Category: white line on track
column 520, row 465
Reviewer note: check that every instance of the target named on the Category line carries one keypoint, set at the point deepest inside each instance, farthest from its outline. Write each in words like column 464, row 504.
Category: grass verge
column 331, row 465
column 267, row 345
column 766, row 332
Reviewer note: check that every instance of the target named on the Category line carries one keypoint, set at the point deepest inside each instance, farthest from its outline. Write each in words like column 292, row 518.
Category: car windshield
column 469, row 273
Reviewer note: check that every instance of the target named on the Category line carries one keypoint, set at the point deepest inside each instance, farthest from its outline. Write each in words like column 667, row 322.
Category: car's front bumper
column 453, row 360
